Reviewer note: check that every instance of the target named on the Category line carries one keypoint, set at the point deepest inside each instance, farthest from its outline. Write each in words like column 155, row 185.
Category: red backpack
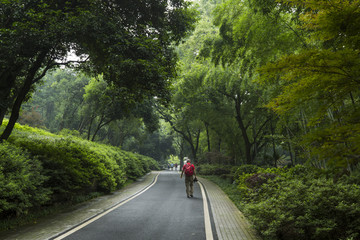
column 189, row 169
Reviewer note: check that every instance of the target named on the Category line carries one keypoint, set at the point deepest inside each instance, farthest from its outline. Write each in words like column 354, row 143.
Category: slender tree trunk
column 62, row 122
column 22, row 95
column 352, row 98
column 273, row 145
column 219, row 144
column 194, row 146
column 97, row 128
column 82, row 124
column 7, row 82
column 290, row 147
column 100, row 125
column 255, row 143
column 208, row 136
column 187, row 136
column 243, row 131
column 303, row 121
column 181, row 154
column 89, row 129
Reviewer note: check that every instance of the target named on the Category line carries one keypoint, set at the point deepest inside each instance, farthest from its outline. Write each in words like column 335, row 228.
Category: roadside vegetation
column 297, row 202
column 40, row 170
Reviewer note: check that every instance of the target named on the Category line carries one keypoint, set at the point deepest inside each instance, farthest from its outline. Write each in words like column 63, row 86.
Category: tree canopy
column 258, row 82
column 129, row 42
column 289, row 72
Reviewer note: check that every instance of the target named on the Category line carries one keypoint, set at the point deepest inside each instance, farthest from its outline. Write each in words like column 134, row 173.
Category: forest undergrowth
column 298, row 202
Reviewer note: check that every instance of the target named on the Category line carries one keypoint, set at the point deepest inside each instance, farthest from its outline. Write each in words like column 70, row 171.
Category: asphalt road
column 161, row 212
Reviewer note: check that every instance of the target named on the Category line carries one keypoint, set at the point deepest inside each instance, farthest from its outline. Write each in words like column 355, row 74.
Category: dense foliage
column 21, row 181
column 320, row 82
column 298, row 202
column 271, row 83
column 128, row 42
column 70, row 103
column 39, row 168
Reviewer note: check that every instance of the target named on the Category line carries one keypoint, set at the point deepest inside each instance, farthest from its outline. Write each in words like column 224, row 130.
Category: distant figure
column 172, row 166
column 176, row 166
column 189, row 170
column 168, row 166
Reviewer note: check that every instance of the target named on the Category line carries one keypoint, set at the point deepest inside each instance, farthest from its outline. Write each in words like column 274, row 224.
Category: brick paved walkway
column 230, row 223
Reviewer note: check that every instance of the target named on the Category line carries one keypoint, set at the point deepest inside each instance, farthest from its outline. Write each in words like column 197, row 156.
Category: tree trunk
column 243, row 131
column 290, row 147
column 89, row 129
column 22, row 95
column 7, row 81
column 181, row 155
column 255, row 143
column 194, row 147
column 99, row 126
column 64, row 116
column 208, row 136
column 82, row 125
column 273, row 145
column 352, row 99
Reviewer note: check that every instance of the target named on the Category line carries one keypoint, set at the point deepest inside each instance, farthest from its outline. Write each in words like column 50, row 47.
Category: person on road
column 189, row 170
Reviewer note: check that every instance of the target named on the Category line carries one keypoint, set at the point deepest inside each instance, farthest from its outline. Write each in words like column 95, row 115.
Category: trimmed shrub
column 300, row 203
column 21, row 181
column 75, row 166
column 149, row 163
column 317, row 209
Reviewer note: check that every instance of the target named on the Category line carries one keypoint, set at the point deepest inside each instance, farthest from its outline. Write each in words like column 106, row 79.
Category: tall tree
column 321, row 81
column 129, row 42
column 189, row 129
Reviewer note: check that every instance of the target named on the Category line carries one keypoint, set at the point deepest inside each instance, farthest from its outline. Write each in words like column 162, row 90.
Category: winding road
column 161, row 211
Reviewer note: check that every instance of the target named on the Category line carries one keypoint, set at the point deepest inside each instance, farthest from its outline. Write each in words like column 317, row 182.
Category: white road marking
column 106, row 212
column 208, row 229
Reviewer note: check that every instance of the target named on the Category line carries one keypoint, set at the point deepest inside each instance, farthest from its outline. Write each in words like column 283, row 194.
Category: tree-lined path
column 150, row 208
column 97, row 96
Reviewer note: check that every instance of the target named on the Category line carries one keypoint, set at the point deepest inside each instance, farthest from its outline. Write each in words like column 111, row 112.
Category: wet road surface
column 161, row 212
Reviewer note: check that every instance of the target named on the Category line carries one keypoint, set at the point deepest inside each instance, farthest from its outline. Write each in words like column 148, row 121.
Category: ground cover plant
column 40, row 169
column 300, row 202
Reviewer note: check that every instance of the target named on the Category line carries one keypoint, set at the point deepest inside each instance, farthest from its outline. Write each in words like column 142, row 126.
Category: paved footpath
column 229, row 222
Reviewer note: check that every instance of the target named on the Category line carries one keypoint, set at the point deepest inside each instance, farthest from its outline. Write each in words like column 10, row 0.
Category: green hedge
column 301, row 203
column 298, row 203
column 20, row 181
column 44, row 168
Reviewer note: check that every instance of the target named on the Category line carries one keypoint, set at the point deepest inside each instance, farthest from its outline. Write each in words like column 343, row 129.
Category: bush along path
column 300, row 202
column 39, row 169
